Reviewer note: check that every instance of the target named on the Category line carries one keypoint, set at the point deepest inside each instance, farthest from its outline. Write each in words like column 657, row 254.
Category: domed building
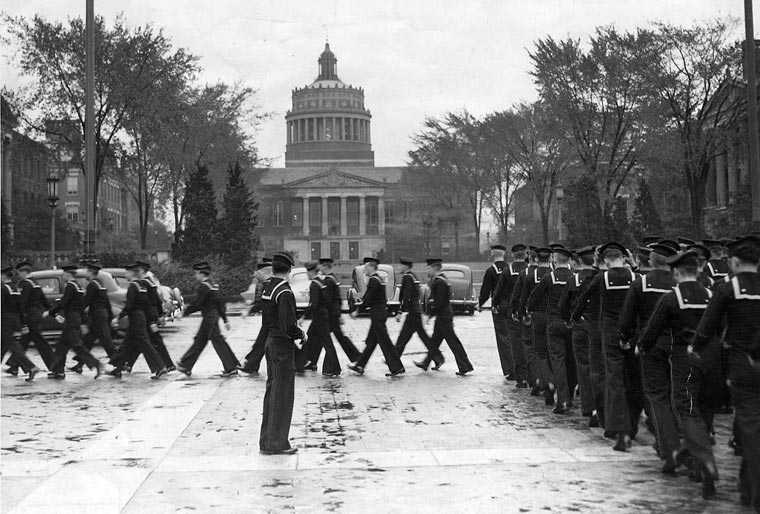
column 330, row 200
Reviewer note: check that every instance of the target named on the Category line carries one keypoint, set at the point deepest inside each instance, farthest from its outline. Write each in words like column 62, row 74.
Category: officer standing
column 376, row 303
column 675, row 317
column 11, row 321
column 136, row 340
column 262, row 277
column 500, row 324
column 280, row 304
column 612, row 287
column 319, row 329
column 558, row 335
column 508, row 281
column 208, row 300
column 99, row 315
column 72, row 307
column 537, row 320
column 410, row 303
column 580, row 331
column 738, row 302
column 32, row 305
column 336, row 322
column 440, row 308
column 655, row 357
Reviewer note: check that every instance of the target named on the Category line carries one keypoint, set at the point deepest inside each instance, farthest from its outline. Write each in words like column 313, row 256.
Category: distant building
column 330, row 200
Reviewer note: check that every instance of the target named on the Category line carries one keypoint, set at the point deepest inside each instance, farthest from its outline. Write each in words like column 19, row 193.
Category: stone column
column 343, row 217
column 325, row 222
column 362, row 215
column 305, row 215
column 351, row 129
column 381, row 215
column 720, row 178
column 733, row 169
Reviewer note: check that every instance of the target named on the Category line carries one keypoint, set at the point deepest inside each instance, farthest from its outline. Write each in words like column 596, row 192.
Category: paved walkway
column 425, row 442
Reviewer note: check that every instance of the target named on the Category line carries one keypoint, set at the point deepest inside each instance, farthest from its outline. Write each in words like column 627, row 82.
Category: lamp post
column 52, row 190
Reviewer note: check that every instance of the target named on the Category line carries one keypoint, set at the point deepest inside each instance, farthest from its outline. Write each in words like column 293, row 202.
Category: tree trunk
column 456, row 240
column 545, row 227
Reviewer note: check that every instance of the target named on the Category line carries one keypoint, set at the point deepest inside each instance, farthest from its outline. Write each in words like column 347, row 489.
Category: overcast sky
column 414, row 58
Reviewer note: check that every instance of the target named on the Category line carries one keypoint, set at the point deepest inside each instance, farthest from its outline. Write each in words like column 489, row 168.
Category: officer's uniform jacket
column 72, row 301
column 676, row 315
column 549, row 291
column 439, row 303
column 410, row 293
column 738, row 302
column 208, row 300
column 641, row 300
column 280, row 310
column 490, row 281
column 319, row 302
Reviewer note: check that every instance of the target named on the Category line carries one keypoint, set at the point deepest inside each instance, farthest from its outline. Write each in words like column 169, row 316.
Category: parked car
column 359, row 286
column 172, row 298
column 52, row 284
column 249, row 295
column 299, row 282
column 463, row 297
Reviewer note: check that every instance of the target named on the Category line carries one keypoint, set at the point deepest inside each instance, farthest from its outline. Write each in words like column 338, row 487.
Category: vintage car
column 52, row 286
column 463, row 297
column 359, row 286
column 299, row 283
column 172, row 299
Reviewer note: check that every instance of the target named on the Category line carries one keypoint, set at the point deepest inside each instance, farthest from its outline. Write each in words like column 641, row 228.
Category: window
column 49, row 285
column 72, row 212
column 316, row 251
column 353, row 250
column 72, row 185
column 296, row 215
column 315, row 216
column 278, row 214
column 390, row 212
column 371, row 213
column 352, row 215
column 445, row 248
column 333, row 216
column 335, row 250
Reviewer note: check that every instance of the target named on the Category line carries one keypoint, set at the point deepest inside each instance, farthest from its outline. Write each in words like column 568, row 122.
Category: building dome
column 328, row 124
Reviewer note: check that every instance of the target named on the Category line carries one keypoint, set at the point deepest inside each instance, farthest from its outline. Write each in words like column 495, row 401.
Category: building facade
column 330, row 200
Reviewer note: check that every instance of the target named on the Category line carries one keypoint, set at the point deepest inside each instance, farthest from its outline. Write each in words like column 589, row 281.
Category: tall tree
column 237, row 239
column 198, row 237
column 645, row 220
column 582, row 212
column 598, row 95
column 540, row 152
column 129, row 63
column 692, row 93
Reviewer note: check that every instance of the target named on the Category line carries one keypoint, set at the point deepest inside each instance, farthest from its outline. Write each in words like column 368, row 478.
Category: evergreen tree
column 645, row 220
column 197, row 239
column 582, row 214
column 237, row 238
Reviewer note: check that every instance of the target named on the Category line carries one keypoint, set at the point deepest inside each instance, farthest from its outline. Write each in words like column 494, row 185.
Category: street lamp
column 52, row 190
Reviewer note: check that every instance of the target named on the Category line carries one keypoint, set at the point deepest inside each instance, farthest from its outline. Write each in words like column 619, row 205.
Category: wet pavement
column 423, row 442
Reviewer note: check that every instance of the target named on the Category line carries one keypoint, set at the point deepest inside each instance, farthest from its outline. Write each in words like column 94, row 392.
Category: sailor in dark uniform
column 376, row 302
column 612, row 286
column 538, row 322
column 440, row 308
column 253, row 358
column 336, row 321
column 319, row 330
column 584, row 269
column 737, row 304
column 704, row 255
column 32, row 305
column 654, row 360
column 155, row 315
column 559, row 336
column 520, row 316
column 501, row 301
column 717, row 266
column 11, row 321
column 99, row 314
column 209, row 301
column 282, row 320
column 409, row 297
column 136, row 340
column 71, row 306
column 675, row 318
column 500, row 320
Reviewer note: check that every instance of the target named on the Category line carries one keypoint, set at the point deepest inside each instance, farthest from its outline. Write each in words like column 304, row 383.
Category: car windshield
column 454, row 273
column 298, row 277
column 49, row 285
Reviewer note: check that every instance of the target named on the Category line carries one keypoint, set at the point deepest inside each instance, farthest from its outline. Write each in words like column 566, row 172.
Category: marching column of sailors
column 674, row 333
